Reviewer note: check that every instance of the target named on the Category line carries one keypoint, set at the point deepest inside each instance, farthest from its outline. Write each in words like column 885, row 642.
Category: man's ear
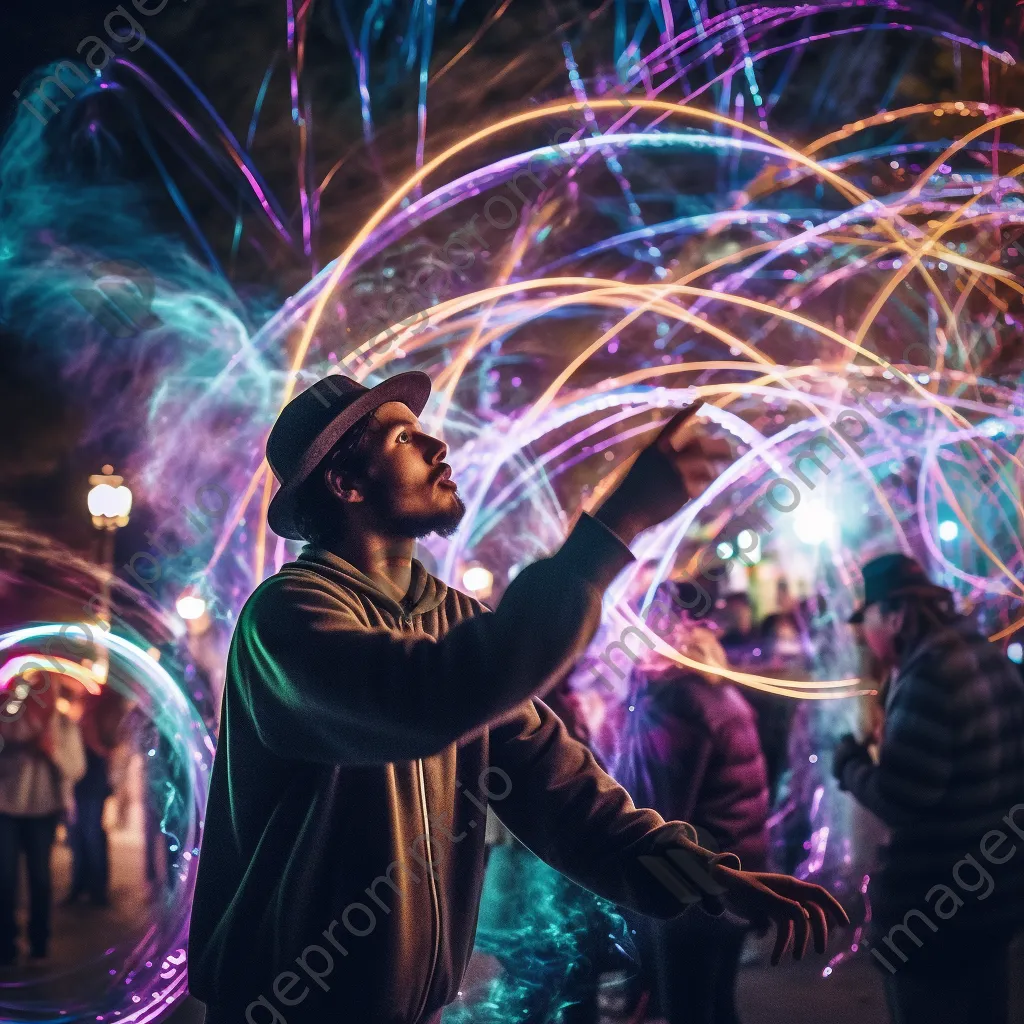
column 342, row 485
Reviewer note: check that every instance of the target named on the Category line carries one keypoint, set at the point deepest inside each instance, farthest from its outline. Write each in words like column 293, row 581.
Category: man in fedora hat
column 372, row 714
column 949, row 783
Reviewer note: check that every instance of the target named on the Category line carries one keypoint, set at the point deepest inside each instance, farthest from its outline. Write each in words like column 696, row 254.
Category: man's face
column 879, row 630
column 404, row 481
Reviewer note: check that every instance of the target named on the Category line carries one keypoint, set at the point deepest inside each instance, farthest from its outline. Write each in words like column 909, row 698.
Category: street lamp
column 193, row 610
column 478, row 580
column 109, row 500
column 109, row 503
column 190, row 606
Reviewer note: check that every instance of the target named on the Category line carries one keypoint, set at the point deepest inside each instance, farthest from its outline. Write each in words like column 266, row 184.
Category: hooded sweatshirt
column 361, row 742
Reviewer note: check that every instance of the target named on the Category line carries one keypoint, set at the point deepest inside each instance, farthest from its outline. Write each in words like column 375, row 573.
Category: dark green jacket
column 343, row 846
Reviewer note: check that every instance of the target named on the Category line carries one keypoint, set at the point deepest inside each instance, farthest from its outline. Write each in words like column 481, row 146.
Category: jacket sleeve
column 916, row 756
column 578, row 819
column 320, row 686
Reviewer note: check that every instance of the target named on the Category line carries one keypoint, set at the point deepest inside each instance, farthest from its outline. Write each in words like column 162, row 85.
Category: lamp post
column 109, row 503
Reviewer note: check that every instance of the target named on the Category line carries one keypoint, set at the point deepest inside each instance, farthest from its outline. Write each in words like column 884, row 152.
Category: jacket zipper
column 433, row 889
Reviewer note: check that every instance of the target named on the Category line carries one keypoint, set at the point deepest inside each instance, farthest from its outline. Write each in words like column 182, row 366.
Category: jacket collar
column 425, row 593
column 960, row 629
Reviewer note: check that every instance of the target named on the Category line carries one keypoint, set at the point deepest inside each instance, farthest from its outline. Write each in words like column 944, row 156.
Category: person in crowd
column 159, row 800
column 785, row 600
column 778, row 653
column 781, row 647
column 948, row 783
column 738, row 631
column 688, row 747
column 369, row 710
column 40, row 759
column 69, row 747
column 100, row 724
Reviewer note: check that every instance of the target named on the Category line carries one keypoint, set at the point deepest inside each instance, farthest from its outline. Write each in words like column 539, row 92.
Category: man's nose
column 440, row 451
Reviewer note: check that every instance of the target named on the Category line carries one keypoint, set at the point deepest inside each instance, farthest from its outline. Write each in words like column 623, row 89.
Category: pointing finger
column 673, row 433
column 713, row 448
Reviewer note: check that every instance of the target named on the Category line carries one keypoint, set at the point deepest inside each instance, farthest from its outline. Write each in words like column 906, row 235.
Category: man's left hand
column 796, row 909
column 848, row 749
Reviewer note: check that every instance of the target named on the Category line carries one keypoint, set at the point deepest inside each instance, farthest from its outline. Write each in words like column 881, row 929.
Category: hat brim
column 411, row 389
column 918, row 590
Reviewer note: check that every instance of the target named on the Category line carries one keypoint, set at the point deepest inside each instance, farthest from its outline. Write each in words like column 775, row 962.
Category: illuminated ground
column 82, row 933
column 793, row 994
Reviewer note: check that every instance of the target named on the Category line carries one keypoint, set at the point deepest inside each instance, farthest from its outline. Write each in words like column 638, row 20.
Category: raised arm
column 319, row 684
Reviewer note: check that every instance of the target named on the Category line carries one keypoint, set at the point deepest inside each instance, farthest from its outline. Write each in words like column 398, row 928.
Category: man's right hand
column 797, row 909
column 677, row 466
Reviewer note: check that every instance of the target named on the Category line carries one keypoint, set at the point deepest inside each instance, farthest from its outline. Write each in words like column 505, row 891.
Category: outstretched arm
column 578, row 819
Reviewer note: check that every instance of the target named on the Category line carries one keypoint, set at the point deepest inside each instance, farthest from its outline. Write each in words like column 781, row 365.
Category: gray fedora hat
column 313, row 422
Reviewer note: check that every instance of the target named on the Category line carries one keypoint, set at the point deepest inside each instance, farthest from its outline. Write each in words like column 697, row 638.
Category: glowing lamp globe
column 478, row 580
column 190, row 607
column 109, row 500
column 748, row 545
column 814, row 524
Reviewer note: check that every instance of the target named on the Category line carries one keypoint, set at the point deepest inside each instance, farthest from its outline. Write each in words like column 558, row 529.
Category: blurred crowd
column 77, row 762
column 939, row 757
column 696, row 748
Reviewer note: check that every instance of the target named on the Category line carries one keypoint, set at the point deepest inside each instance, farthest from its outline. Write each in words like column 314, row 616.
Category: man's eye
column 403, row 437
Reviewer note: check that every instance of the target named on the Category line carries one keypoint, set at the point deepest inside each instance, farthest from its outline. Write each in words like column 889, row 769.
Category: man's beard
column 443, row 522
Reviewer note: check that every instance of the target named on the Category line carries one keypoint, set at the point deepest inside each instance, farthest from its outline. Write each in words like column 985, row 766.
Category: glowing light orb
column 110, row 502
column 948, row 530
column 749, row 545
column 477, row 580
column 190, row 607
column 814, row 524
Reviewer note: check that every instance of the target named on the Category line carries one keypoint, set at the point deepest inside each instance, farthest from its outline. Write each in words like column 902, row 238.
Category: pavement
column 81, row 935
column 793, row 993
column 790, row 994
